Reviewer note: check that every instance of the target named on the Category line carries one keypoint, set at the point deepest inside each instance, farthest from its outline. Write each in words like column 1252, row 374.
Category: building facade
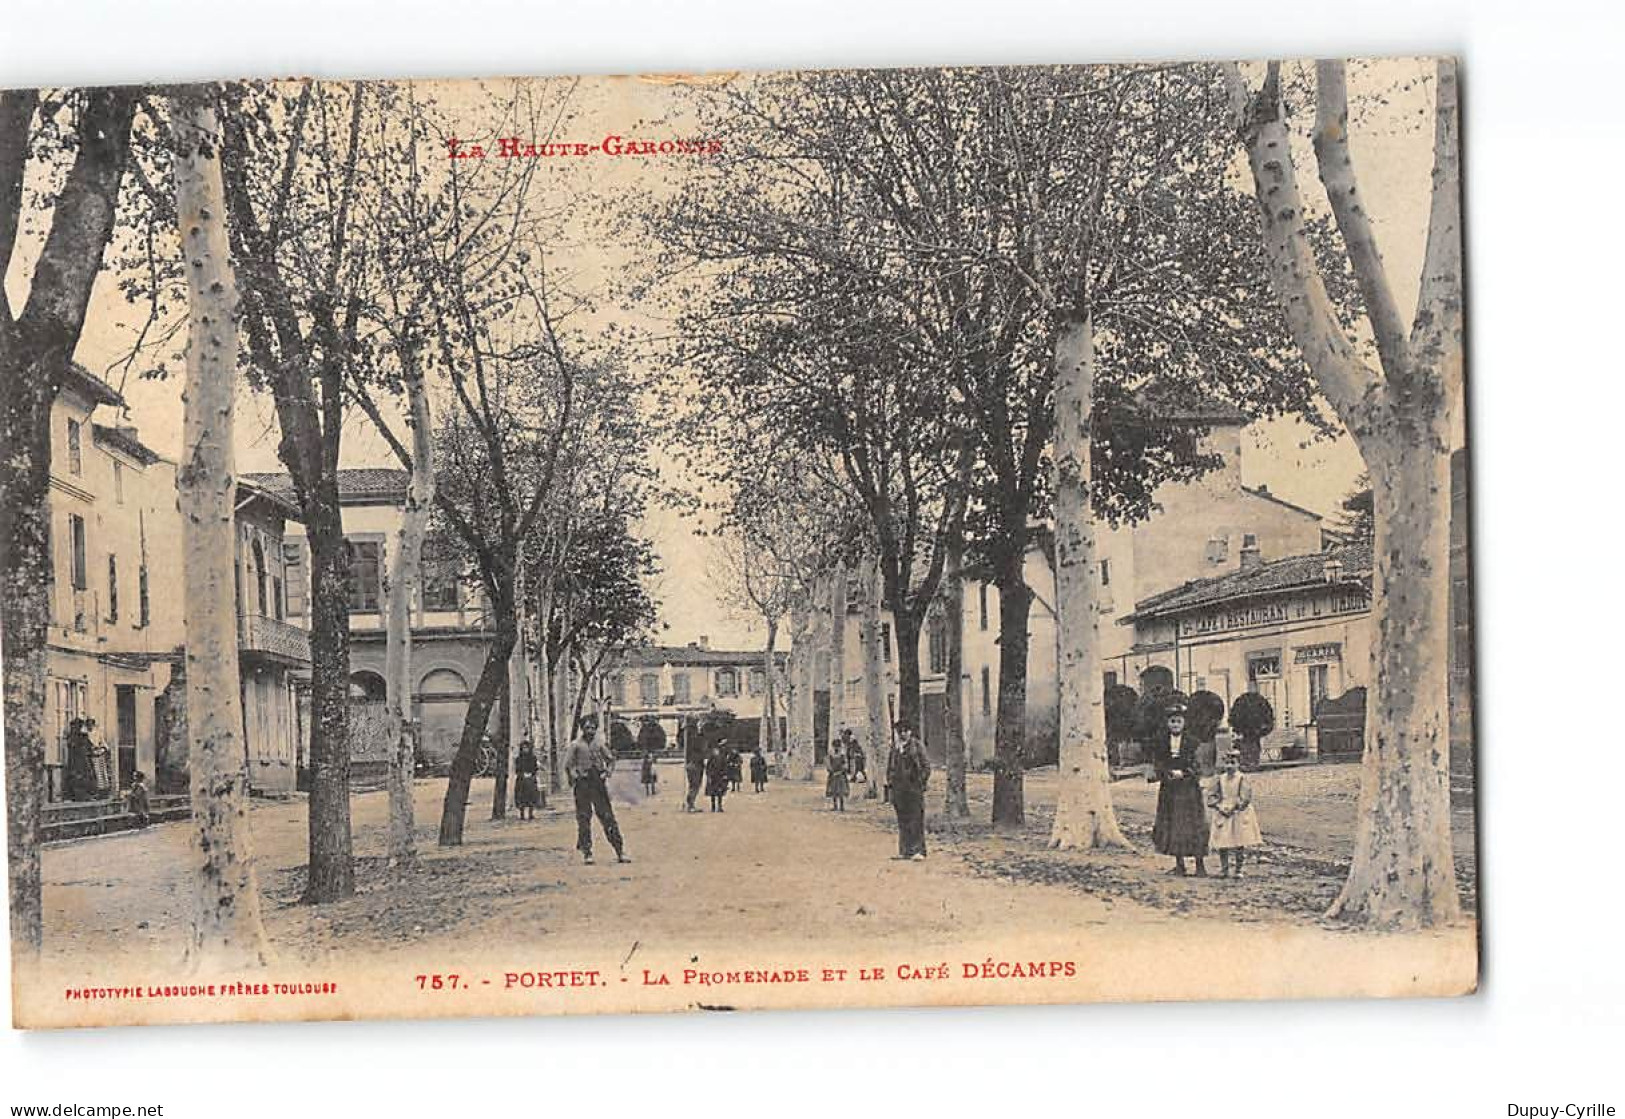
column 676, row 684
column 450, row 631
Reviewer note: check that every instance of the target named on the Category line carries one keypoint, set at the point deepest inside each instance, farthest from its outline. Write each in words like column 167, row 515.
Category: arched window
column 367, row 687
column 443, row 684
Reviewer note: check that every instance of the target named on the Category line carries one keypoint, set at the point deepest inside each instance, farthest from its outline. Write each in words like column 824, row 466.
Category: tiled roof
column 126, row 440
column 1277, row 577
column 653, row 656
column 84, row 381
column 368, row 485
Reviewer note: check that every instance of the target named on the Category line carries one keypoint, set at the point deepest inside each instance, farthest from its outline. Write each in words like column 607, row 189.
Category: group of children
column 846, row 764
column 1184, row 827
column 724, row 772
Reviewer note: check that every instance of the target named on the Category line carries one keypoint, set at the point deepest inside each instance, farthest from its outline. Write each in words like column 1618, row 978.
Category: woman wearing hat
column 1235, row 824
column 1181, row 828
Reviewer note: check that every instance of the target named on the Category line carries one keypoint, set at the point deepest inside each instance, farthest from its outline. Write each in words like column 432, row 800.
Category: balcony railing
column 273, row 640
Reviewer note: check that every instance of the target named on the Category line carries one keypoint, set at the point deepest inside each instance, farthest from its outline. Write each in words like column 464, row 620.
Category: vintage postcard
column 843, row 538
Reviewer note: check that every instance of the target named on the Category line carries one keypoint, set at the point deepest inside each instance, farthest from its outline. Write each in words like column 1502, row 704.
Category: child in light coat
column 1233, row 824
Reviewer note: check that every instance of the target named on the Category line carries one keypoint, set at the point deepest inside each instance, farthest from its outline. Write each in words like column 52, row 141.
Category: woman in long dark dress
column 716, row 777
column 736, row 770
column 1181, row 828
column 527, row 792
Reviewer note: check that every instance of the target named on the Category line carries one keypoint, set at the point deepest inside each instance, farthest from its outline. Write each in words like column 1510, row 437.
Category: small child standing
column 1234, row 824
column 649, row 776
column 140, row 805
column 836, row 787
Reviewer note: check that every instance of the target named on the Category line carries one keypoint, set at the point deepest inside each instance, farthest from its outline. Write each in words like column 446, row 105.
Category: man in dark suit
column 908, row 771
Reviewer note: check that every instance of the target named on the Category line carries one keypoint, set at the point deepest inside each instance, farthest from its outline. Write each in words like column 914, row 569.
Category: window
column 76, row 537
column 936, row 644
column 276, row 597
column 293, row 553
column 617, row 690
column 76, row 458
column 259, row 579
column 987, row 692
column 1111, row 680
column 649, row 690
column 1105, row 573
column 1249, row 540
column 362, row 581
column 1264, row 666
column 143, row 597
column 981, row 605
column 757, row 681
column 727, row 682
column 1319, row 685
column 680, row 690
column 1218, row 549
column 112, row 587
column 118, row 482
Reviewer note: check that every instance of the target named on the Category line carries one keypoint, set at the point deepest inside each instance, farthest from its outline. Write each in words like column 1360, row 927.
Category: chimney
column 1251, row 557
column 1332, row 570
column 704, row 642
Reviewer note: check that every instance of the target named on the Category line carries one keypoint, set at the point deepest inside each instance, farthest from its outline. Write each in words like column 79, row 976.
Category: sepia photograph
column 807, row 539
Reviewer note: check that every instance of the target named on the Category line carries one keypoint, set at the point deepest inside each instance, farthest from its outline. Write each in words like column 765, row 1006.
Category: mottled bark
column 955, row 804
column 331, row 871
column 799, row 758
column 36, row 347
column 226, row 929
column 1083, row 809
column 769, row 739
column 1402, row 419
column 405, row 581
column 877, row 744
column 1010, row 720
column 837, row 649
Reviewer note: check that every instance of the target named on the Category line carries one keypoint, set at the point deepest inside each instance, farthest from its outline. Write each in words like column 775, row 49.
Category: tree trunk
column 837, row 650
column 801, row 758
column 769, row 737
column 25, row 612
column 1404, row 870
column 1010, row 721
column 906, row 638
column 405, row 578
column 332, row 872
column 551, row 669
column 1083, row 809
column 226, row 928
column 505, row 725
column 35, row 351
column 878, row 744
column 493, row 678
column 955, row 804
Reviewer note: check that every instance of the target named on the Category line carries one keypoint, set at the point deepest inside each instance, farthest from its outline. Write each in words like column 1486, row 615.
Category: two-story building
column 113, row 633
column 450, row 631
column 675, row 683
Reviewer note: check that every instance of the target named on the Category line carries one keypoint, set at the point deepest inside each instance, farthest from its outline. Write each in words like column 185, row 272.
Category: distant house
column 673, row 684
column 1295, row 630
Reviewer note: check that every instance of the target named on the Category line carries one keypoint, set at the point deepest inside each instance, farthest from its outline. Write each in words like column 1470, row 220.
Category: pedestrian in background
column 694, row 759
column 758, row 770
column 836, row 786
column 856, row 764
column 736, row 770
column 908, row 771
column 716, row 776
column 588, row 765
column 139, row 805
column 527, row 791
column 649, row 775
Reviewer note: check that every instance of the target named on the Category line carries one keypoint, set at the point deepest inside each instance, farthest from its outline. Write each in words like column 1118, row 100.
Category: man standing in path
column 908, row 771
column 694, row 754
column 587, row 766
